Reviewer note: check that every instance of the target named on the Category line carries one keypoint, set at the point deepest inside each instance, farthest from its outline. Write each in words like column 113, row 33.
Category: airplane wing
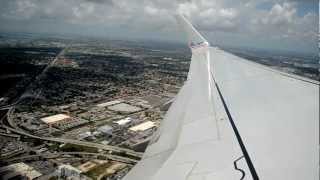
column 235, row 119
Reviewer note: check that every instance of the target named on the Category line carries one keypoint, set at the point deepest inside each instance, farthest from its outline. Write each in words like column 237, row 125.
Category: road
column 59, row 154
column 81, row 143
column 16, row 130
column 6, row 107
column 9, row 135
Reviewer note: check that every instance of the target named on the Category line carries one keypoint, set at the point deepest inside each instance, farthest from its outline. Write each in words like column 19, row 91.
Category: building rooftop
column 19, row 168
column 63, row 168
column 85, row 135
column 143, row 126
column 124, row 121
column 123, row 107
column 105, row 129
column 55, row 118
column 108, row 103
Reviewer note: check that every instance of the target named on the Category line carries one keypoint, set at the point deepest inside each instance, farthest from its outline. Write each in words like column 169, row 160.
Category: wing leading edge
column 234, row 119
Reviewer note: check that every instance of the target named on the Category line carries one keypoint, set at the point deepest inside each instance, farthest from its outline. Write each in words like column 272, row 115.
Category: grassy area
column 54, row 178
column 53, row 147
column 96, row 172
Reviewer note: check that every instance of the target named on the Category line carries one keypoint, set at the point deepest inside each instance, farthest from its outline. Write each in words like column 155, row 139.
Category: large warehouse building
column 50, row 120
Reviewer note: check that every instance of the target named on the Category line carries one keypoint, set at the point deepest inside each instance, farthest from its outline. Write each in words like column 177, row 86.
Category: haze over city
column 265, row 24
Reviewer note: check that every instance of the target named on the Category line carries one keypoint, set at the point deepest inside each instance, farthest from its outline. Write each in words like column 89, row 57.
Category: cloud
column 231, row 19
column 110, row 2
column 280, row 14
column 187, row 9
column 151, row 10
column 282, row 20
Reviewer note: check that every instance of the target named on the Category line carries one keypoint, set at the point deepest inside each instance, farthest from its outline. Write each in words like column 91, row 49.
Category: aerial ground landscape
column 86, row 107
column 108, row 92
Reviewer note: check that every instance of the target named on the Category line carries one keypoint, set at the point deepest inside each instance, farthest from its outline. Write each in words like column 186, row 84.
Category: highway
column 136, row 155
column 81, row 143
column 16, row 130
column 59, row 154
column 9, row 135
column 6, row 107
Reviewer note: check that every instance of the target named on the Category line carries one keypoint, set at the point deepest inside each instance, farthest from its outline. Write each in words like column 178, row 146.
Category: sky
column 263, row 24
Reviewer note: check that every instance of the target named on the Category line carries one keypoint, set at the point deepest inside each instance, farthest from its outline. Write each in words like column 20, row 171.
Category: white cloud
column 280, row 14
column 228, row 13
column 19, row 9
column 282, row 20
column 228, row 18
column 187, row 8
column 151, row 10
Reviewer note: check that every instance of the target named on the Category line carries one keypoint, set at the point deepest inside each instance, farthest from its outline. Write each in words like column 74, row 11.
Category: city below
column 87, row 108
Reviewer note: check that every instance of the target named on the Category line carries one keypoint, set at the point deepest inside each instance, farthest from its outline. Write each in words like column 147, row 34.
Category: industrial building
column 143, row 126
column 18, row 171
column 84, row 135
column 124, row 121
column 110, row 103
column 124, row 108
column 66, row 170
column 63, row 121
column 106, row 129
column 55, row 119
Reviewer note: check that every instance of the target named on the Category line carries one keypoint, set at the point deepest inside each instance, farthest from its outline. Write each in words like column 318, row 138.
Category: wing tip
column 195, row 39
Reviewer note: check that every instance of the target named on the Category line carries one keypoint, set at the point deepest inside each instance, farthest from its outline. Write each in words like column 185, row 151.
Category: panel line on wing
column 240, row 141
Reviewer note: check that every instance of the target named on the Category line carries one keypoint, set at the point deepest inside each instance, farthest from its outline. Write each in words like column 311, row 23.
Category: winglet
column 195, row 39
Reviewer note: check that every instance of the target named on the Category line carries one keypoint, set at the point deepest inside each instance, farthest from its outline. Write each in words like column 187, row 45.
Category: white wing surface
column 235, row 119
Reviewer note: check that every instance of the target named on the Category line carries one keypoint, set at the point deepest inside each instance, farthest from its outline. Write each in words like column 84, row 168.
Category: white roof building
column 85, row 135
column 106, row 129
column 68, row 170
column 124, row 121
column 124, row 108
column 108, row 103
column 55, row 118
column 143, row 126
